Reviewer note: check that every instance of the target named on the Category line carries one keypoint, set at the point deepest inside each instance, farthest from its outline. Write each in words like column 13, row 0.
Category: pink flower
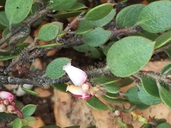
column 6, row 95
column 77, row 76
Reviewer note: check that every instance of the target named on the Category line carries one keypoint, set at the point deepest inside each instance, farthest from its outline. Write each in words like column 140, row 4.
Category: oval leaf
column 28, row 110
column 99, row 12
column 150, row 86
column 156, row 17
column 164, row 125
column 163, row 39
column 16, row 11
column 55, row 69
column 17, row 123
column 128, row 16
column 146, row 98
column 129, row 55
column 61, row 4
column 96, row 37
column 48, row 32
column 95, row 103
column 165, row 96
column 87, row 25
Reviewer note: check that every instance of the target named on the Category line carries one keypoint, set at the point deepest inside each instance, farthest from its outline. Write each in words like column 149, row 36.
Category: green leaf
column 132, row 95
column 28, row 110
column 150, row 86
column 7, row 58
column 99, row 12
column 156, row 17
column 73, row 127
column 48, row 32
column 142, row 106
column 87, row 25
column 77, row 6
column 95, row 103
column 16, row 11
column 164, row 125
column 162, row 40
column 112, row 96
column 90, row 51
column 65, row 14
column 168, row 52
column 30, row 91
column 26, row 127
column 111, row 88
column 148, row 35
column 50, row 126
column 119, row 100
column 60, row 87
column 129, row 55
column 58, row 24
column 17, row 123
column 3, row 19
column 128, row 16
column 55, row 69
column 165, row 96
column 30, row 119
column 96, row 37
column 61, row 4
column 146, row 98
column 166, row 69
column 147, row 126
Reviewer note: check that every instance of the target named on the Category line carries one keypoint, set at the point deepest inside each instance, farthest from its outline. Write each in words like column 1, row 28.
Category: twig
column 75, row 21
column 30, row 20
column 155, row 75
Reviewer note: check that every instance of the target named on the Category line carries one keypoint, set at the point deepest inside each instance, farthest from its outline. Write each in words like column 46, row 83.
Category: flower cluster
column 7, row 104
column 81, row 88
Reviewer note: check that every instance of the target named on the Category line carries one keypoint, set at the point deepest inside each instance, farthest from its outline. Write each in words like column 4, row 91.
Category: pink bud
column 77, row 76
column 6, row 95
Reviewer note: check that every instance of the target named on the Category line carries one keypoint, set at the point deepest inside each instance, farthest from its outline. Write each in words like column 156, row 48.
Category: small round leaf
column 129, row 55
column 17, row 10
column 55, row 69
column 95, row 103
column 48, row 32
column 28, row 110
column 96, row 37
column 99, row 12
column 128, row 16
column 156, row 17
column 87, row 25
